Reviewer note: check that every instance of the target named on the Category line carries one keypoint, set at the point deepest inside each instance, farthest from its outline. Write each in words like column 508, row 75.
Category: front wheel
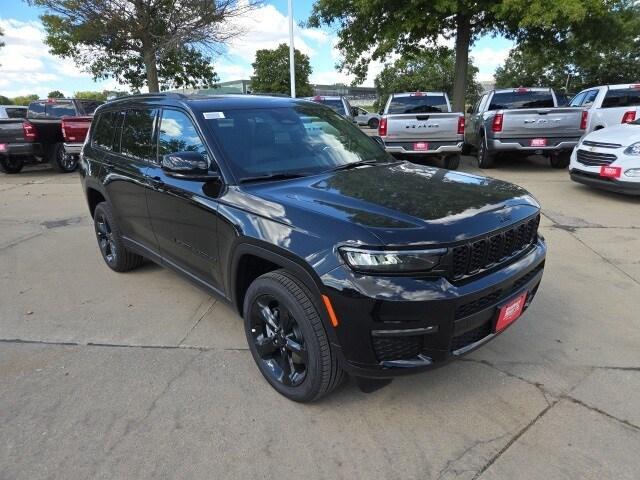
column 560, row 160
column 287, row 338
column 373, row 123
column 61, row 160
column 10, row 164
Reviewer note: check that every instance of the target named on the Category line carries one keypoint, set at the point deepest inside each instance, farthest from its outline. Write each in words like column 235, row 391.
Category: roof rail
column 152, row 95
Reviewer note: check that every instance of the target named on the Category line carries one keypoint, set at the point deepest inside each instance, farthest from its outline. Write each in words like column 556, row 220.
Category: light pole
column 292, row 67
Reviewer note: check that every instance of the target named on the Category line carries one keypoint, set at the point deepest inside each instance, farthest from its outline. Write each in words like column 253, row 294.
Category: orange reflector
column 332, row 314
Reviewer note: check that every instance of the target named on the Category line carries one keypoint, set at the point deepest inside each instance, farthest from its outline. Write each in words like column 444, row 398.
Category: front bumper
column 524, row 144
column 20, row 149
column 392, row 326
column 435, row 148
column 595, row 180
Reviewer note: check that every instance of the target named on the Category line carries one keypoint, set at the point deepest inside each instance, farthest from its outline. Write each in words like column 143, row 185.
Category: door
column 124, row 169
column 184, row 212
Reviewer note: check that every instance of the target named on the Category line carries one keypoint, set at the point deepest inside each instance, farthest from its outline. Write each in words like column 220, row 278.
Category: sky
column 27, row 67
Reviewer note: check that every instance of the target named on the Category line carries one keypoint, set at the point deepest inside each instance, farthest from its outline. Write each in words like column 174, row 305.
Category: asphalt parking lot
column 142, row 375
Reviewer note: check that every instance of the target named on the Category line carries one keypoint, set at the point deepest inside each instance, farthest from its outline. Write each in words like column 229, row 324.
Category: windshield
column 521, row 99
column 297, row 140
column 418, row 104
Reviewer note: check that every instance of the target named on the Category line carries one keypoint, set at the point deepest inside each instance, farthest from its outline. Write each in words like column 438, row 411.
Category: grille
column 481, row 254
column 601, row 144
column 472, row 336
column 483, row 302
column 595, row 159
column 397, row 348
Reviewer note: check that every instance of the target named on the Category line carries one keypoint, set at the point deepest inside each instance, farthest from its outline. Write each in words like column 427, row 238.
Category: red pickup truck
column 74, row 131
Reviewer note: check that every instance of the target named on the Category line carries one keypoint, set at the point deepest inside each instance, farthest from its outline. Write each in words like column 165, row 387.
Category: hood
column 403, row 203
column 624, row 134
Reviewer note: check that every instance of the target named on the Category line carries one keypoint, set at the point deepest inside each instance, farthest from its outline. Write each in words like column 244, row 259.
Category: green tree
column 5, row 100
column 429, row 69
column 374, row 29
column 271, row 72
column 579, row 59
column 161, row 44
column 55, row 94
column 25, row 99
column 89, row 95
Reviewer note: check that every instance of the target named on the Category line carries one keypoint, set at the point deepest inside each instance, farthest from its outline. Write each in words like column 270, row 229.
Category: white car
column 609, row 159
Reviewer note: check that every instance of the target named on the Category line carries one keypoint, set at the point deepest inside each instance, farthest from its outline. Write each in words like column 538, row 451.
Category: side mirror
column 187, row 166
column 469, row 110
column 381, row 112
column 378, row 140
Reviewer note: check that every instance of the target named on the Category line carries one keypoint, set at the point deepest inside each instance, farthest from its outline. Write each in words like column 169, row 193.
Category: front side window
column 137, row 134
column 417, row 103
column 178, row 134
column 297, row 140
column 577, row 100
column 625, row 97
column 335, row 105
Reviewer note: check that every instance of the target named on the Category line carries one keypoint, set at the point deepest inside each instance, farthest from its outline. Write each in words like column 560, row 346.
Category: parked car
column 339, row 257
column 609, row 158
column 608, row 105
column 74, row 131
column 362, row 117
column 12, row 111
column 523, row 121
column 46, row 116
column 17, row 144
column 337, row 103
column 420, row 125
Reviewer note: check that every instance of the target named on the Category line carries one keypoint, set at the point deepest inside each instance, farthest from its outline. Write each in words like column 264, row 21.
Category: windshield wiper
column 272, row 176
column 351, row 165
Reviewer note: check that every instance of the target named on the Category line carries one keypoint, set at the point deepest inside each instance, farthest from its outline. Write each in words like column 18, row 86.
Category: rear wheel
column 485, row 158
column 287, row 338
column 373, row 123
column 61, row 160
column 9, row 164
column 112, row 248
column 452, row 162
column 560, row 160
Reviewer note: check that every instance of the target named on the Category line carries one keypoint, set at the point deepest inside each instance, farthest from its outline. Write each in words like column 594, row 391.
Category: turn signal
column 496, row 126
column 332, row 314
column 382, row 127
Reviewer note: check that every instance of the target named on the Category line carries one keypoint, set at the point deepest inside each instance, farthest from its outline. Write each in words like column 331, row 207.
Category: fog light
column 632, row 172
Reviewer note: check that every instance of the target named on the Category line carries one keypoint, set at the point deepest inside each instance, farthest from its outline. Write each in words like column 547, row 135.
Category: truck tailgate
column 422, row 126
column 11, row 130
column 74, row 129
column 541, row 122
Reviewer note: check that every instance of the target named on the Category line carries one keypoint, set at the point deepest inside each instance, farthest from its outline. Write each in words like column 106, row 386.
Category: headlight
column 633, row 149
column 396, row 261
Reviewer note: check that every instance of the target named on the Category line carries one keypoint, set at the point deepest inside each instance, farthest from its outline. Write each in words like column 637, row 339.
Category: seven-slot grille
column 483, row 253
column 595, row 159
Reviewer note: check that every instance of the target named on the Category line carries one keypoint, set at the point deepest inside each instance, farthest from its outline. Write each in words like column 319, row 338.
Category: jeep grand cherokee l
column 338, row 257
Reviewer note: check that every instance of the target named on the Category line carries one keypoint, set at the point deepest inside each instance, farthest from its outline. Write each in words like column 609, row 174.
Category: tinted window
column 60, row 109
column 36, row 109
column 104, row 130
column 178, row 134
column 89, row 106
column 521, row 99
column 589, row 98
column 563, row 99
column 418, row 104
column 577, row 100
column 137, row 134
column 628, row 97
column 16, row 112
column 304, row 139
column 335, row 105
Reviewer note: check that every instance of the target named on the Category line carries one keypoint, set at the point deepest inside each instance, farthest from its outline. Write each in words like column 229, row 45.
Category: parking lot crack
column 449, row 467
column 602, row 412
column 212, row 303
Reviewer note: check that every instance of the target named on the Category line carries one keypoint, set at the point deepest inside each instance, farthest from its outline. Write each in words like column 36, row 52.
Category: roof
column 515, row 89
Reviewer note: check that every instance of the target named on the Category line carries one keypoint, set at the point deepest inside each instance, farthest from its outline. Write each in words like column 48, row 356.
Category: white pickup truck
column 608, row 105
column 420, row 124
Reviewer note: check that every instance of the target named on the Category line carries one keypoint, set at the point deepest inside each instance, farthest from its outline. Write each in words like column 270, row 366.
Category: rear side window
column 104, row 130
column 87, row 107
column 36, row 109
column 589, row 98
column 16, row 112
column 521, row 99
column 577, row 100
column 335, row 105
column 628, row 97
column 137, row 134
column 178, row 134
column 418, row 104
column 60, row 109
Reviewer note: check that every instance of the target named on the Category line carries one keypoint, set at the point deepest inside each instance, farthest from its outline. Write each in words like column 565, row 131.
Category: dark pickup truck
column 17, row 144
column 47, row 118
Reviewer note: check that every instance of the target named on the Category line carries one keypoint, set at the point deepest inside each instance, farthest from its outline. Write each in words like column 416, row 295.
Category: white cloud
column 489, row 58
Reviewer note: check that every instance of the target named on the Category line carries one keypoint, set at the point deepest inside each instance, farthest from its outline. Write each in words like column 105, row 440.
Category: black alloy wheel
column 485, row 159
column 278, row 341
column 106, row 241
column 61, row 160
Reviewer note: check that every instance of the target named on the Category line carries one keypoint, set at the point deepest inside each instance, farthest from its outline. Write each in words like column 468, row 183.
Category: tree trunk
column 463, row 40
column 151, row 69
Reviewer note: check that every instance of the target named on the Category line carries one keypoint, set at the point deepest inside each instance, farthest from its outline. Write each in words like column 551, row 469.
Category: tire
column 287, row 338
column 452, row 162
column 61, row 161
column 112, row 248
column 373, row 123
column 485, row 158
column 11, row 164
column 560, row 160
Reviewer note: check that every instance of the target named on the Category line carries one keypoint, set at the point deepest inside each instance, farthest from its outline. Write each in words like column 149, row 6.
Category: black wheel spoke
column 294, row 346
column 265, row 346
column 285, row 364
column 268, row 316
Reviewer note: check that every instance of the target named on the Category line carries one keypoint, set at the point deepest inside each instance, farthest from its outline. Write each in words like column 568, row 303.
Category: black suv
column 338, row 257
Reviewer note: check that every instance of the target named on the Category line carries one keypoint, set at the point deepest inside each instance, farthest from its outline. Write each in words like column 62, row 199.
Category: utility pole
column 292, row 67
